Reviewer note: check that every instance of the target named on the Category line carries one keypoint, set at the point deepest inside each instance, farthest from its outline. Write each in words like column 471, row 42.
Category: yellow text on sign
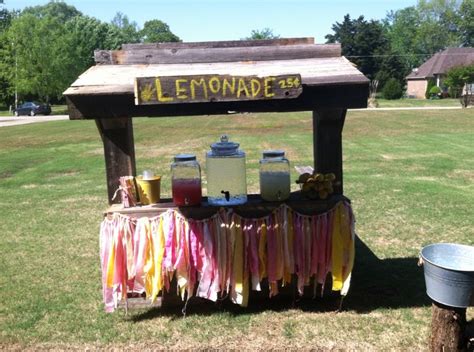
column 215, row 88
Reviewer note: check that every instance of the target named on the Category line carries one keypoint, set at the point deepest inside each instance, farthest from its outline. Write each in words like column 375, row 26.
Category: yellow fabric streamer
column 111, row 265
column 158, row 251
column 238, row 264
column 148, row 267
column 343, row 251
column 349, row 249
column 181, row 270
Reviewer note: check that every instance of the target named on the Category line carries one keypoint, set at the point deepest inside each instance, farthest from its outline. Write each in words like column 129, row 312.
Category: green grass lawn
column 398, row 103
column 410, row 176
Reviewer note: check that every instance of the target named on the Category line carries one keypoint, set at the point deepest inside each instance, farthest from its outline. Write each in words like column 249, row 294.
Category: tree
column 466, row 23
column 392, row 89
column 6, row 18
column 7, row 61
column 156, row 31
column 126, row 30
column 44, row 64
column 401, row 29
column 363, row 42
column 416, row 33
column 265, row 33
column 86, row 34
column 55, row 8
column 392, row 66
column 459, row 78
column 438, row 25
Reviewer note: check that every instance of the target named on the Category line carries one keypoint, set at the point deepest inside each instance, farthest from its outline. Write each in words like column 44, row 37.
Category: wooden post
column 448, row 326
column 119, row 151
column 327, row 143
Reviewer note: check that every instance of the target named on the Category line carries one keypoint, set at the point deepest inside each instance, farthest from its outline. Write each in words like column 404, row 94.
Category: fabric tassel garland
column 225, row 255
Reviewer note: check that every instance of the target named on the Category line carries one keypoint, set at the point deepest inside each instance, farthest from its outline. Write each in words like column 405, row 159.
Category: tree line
column 44, row 48
column 389, row 49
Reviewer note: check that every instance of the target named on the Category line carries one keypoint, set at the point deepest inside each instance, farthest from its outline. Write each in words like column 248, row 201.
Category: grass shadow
column 385, row 283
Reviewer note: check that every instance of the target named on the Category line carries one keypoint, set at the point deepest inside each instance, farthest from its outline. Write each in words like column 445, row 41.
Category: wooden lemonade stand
column 211, row 78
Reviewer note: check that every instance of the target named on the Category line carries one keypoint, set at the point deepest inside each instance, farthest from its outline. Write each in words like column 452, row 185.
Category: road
column 22, row 120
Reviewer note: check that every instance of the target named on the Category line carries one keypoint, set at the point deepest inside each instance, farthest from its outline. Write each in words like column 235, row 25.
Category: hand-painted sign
column 214, row 88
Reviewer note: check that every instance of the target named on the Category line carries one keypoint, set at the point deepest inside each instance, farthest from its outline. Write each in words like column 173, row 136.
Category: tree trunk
column 448, row 326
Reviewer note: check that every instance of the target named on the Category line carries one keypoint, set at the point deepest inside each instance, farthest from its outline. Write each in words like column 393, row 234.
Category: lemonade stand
column 214, row 250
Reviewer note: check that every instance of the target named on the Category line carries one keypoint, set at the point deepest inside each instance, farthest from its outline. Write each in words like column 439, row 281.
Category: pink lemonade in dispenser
column 186, row 180
column 186, row 192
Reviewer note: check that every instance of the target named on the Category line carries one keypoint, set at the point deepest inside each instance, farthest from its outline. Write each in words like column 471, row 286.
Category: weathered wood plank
column 327, row 143
column 226, row 54
column 119, row 151
column 313, row 97
column 255, row 207
column 114, row 78
column 119, row 89
column 219, row 44
column 214, row 88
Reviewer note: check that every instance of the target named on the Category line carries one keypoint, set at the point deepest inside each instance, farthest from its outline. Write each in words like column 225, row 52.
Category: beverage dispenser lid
column 224, row 147
column 273, row 153
column 184, row 157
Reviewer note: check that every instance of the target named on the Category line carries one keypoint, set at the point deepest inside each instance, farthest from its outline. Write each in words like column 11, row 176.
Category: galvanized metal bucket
column 449, row 273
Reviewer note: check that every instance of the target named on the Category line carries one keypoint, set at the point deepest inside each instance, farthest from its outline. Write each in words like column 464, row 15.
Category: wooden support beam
column 110, row 106
column 327, row 143
column 119, row 151
column 254, row 208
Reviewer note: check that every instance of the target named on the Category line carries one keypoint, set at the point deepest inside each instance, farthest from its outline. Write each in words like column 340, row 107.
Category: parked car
column 32, row 109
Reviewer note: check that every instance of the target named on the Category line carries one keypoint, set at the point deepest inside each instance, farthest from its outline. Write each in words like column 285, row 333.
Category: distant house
column 436, row 68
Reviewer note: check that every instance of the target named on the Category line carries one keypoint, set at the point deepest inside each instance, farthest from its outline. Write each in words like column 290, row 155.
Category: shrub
column 435, row 92
column 431, row 84
column 459, row 78
column 392, row 89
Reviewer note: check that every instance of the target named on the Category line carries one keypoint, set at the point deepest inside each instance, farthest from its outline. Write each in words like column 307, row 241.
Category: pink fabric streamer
column 271, row 252
column 321, row 249
column 299, row 252
column 140, row 248
column 207, row 269
column 251, row 233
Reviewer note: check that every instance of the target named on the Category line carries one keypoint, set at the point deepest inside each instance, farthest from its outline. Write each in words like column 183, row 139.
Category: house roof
column 441, row 62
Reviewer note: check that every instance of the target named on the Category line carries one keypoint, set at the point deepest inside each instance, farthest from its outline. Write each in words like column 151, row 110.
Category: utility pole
column 16, row 74
column 16, row 81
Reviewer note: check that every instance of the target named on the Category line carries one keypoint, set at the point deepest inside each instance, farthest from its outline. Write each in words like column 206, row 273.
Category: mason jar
column 186, row 180
column 274, row 176
column 226, row 174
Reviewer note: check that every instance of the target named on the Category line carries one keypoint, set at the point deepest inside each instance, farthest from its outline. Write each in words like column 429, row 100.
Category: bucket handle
column 420, row 261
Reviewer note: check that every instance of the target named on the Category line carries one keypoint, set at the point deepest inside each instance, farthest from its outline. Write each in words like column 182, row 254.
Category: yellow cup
column 148, row 190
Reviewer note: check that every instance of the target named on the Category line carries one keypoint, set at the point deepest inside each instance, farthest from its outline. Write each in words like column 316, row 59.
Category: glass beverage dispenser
column 186, row 180
column 226, row 175
column 274, row 176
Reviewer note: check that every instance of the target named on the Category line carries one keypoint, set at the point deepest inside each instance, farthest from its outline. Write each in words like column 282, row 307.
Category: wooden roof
column 107, row 89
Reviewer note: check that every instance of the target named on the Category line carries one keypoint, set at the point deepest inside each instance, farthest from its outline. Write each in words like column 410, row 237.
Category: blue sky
column 207, row 20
